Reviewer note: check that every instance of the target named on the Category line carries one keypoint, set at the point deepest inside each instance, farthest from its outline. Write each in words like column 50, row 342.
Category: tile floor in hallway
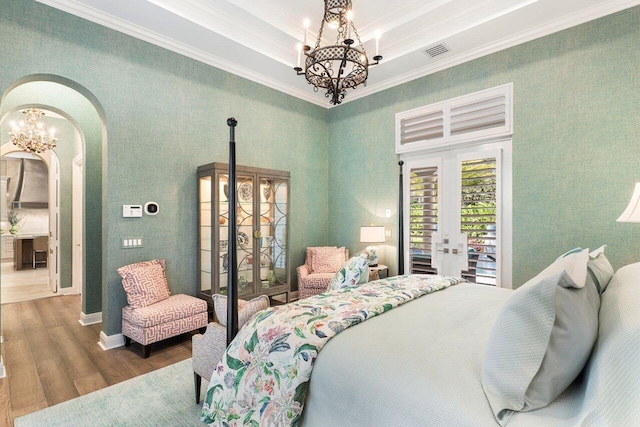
column 24, row 285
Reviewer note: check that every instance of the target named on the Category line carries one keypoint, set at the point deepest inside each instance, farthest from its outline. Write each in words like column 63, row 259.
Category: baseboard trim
column 3, row 373
column 107, row 342
column 90, row 319
column 66, row 291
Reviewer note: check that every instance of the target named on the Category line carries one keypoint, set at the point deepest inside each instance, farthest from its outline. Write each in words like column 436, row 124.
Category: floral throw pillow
column 145, row 283
column 355, row 271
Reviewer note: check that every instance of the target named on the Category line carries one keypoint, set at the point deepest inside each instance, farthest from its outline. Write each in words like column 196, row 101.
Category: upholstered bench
column 174, row 316
column 153, row 314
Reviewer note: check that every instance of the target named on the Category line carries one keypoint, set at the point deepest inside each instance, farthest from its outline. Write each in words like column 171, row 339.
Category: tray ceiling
column 256, row 39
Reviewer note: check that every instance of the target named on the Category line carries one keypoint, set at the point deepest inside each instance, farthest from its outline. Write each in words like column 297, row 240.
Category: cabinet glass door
column 205, row 233
column 244, row 218
column 272, row 237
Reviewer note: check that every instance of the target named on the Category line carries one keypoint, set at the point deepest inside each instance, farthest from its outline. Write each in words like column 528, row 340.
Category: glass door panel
column 222, row 252
column 280, row 209
column 205, row 233
column 423, row 218
column 245, row 186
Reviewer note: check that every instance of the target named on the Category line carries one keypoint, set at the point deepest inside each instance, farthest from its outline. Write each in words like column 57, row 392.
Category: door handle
column 445, row 250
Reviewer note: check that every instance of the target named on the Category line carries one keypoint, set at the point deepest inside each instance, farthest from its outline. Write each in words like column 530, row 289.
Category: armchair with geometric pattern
column 321, row 264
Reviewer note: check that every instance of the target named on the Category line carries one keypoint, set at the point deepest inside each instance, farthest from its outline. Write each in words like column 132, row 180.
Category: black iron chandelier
column 341, row 66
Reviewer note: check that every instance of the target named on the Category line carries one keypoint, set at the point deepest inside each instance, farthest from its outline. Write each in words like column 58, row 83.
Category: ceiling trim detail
column 138, row 32
column 487, row 49
column 307, row 94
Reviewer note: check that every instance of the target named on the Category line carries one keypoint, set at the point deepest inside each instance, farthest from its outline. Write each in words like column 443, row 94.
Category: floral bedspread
column 264, row 375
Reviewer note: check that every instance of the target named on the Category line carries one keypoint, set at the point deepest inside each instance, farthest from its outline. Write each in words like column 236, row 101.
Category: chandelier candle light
column 338, row 67
column 30, row 134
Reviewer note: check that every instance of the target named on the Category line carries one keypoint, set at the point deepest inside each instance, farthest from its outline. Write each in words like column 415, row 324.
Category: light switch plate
column 131, row 242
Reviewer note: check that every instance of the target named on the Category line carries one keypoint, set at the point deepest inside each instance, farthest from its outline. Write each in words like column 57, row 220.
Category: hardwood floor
column 50, row 357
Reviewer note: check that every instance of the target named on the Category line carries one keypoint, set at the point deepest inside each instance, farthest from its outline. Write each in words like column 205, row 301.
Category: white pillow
column 573, row 262
column 542, row 338
column 600, row 269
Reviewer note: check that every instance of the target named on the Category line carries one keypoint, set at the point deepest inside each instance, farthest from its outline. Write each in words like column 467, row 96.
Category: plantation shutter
column 424, row 127
column 476, row 117
column 423, row 218
column 478, row 218
column 486, row 113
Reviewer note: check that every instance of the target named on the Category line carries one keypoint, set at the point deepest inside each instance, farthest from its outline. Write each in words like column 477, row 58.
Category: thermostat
column 151, row 208
column 132, row 211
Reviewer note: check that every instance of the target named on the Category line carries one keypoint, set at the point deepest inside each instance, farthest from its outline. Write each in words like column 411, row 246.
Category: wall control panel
column 132, row 211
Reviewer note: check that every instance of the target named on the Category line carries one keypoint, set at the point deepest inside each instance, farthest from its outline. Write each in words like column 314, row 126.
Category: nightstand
column 379, row 268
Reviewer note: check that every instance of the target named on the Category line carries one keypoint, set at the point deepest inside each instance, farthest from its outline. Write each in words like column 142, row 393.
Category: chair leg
column 127, row 341
column 198, row 382
column 146, row 350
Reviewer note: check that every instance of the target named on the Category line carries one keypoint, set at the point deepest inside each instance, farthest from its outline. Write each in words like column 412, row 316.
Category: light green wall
column 576, row 143
column 165, row 115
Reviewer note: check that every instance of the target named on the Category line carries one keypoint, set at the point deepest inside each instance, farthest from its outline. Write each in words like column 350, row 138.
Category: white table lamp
column 632, row 213
column 372, row 234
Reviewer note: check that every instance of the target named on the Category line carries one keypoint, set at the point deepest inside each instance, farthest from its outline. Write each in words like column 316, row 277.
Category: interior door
column 455, row 222
column 53, row 262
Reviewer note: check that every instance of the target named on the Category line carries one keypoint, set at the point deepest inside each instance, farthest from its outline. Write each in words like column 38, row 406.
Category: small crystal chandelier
column 30, row 134
column 341, row 66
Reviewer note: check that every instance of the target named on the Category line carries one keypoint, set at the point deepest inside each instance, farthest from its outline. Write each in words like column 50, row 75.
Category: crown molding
column 136, row 31
column 226, row 24
column 152, row 37
column 557, row 25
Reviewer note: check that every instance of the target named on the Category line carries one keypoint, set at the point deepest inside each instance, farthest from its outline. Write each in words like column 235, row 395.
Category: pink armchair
column 321, row 264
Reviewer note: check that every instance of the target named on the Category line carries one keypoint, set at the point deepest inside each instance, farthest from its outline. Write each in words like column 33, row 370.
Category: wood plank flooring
column 50, row 357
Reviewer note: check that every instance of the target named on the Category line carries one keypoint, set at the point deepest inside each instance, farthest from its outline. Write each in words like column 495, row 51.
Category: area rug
column 160, row 398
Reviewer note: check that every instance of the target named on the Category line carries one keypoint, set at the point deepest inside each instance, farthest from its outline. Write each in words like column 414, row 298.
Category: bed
column 421, row 363
column 428, row 373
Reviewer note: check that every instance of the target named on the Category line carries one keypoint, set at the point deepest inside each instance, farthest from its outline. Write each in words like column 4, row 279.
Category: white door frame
column 77, row 216
column 502, row 149
column 50, row 158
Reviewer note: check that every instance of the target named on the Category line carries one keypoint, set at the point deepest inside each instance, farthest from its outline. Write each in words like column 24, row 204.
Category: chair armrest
column 303, row 271
column 208, row 349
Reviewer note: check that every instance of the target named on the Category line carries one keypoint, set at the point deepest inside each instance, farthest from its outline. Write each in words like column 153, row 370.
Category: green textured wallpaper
column 165, row 115
column 576, row 143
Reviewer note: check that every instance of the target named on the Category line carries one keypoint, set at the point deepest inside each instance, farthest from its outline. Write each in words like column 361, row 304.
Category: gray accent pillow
column 541, row 340
column 600, row 269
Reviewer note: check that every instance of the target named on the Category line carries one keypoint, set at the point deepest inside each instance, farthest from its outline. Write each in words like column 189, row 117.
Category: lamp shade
column 372, row 234
column 632, row 213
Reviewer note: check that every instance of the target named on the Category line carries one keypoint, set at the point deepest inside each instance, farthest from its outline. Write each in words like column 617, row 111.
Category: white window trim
column 447, row 141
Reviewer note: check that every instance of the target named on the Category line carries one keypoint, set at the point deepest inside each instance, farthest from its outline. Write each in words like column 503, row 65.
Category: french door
column 457, row 206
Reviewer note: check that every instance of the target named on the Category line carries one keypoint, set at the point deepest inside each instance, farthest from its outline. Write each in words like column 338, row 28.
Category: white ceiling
column 257, row 39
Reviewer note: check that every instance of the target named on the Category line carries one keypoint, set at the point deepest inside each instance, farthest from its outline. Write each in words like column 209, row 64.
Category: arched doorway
column 80, row 107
